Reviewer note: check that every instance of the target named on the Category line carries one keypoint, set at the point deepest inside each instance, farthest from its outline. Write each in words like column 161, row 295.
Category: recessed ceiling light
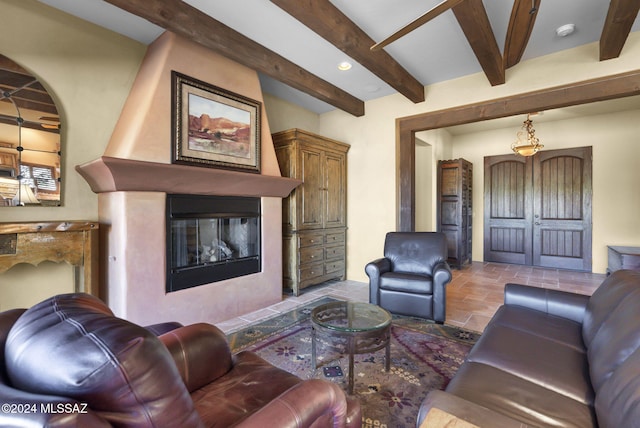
column 565, row 30
column 344, row 66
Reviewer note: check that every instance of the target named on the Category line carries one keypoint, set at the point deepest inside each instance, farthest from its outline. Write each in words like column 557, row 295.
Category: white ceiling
column 435, row 52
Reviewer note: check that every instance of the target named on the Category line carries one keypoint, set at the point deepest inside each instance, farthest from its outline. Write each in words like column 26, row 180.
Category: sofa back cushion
column 415, row 252
column 615, row 335
column 617, row 338
column 72, row 346
column 603, row 302
column 618, row 400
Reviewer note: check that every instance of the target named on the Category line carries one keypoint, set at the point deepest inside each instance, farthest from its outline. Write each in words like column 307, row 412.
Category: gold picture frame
column 213, row 127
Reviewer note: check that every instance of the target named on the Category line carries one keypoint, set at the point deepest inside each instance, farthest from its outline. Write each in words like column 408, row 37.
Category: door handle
column 537, row 223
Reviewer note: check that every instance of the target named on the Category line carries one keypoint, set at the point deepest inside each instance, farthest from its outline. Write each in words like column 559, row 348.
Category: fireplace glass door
column 211, row 239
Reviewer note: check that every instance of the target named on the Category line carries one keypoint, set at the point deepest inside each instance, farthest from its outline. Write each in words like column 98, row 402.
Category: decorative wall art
column 213, row 127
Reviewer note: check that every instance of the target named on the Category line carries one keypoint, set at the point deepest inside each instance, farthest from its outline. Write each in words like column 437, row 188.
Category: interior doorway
column 538, row 209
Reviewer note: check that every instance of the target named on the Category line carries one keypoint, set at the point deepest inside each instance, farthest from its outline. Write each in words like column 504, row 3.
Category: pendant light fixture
column 527, row 144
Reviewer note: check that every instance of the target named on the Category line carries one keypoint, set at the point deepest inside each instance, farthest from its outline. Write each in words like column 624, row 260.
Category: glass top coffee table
column 351, row 328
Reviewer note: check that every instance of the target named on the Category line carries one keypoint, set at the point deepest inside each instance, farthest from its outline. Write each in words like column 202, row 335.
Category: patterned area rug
column 424, row 356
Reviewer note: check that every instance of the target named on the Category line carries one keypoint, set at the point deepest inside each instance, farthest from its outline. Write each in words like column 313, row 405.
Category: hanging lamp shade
column 527, row 144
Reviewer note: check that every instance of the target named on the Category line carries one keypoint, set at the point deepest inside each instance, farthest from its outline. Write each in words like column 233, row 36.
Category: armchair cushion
column 250, row 385
column 306, row 402
column 407, row 282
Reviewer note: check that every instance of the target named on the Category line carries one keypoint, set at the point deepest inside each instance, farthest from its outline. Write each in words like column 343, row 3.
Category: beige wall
column 283, row 115
column 372, row 196
column 425, row 220
column 89, row 72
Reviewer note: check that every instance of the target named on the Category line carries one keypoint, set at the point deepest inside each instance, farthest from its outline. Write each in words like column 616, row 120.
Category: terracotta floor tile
column 474, row 294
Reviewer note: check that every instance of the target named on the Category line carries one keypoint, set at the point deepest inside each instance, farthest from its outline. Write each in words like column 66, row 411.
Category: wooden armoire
column 314, row 215
column 455, row 211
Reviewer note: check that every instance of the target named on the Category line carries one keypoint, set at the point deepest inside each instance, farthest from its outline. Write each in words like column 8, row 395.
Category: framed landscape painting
column 214, row 127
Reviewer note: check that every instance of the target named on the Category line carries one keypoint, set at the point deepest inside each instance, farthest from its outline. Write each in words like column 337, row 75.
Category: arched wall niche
column 30, row 145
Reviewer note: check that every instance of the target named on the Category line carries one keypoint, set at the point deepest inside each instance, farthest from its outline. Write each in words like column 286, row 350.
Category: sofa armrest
column 201, row 353
column 303, row 405
column 465, row 410
column 441, row 277
column 553, row 302
column 378, row 267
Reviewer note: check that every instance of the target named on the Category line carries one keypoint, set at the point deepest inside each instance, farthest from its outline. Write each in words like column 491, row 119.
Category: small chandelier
column 527, row 143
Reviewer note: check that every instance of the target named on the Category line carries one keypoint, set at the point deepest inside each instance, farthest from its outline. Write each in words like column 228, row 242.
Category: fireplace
column 210, row 239
column 136, row 174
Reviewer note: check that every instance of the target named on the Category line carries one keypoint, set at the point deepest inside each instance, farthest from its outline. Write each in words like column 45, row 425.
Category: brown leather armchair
column 69, row 362
column 411, row 277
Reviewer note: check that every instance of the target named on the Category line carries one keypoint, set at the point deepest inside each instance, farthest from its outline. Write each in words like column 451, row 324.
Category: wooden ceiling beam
column 620, row 19
column 330, row 23
column 523, row 17
column 473, row 19
column 186, row 21
column 432, row 13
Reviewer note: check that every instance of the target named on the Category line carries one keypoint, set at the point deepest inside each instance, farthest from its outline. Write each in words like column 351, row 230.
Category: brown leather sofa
column 552, row 358
column 68, row 362
column 411, row 277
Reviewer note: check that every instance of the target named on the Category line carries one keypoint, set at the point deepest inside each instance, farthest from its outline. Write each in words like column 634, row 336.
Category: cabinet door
column 335, row 191
column 286, row 162
column 311, row 197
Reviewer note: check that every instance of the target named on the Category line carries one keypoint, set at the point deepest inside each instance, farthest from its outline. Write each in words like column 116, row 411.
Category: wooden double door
column 537, row 210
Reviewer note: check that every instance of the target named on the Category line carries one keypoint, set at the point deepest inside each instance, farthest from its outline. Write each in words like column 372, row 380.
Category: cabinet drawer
column 311, row 255
column 310, row 239
column 333, row 267
column 334, row 238
column 311, row 271
column 335, row 252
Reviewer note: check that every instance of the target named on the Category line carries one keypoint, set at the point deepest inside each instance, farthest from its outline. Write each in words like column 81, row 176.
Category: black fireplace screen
column 210, row 239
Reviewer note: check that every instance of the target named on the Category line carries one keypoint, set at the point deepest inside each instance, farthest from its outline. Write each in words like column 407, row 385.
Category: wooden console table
column 74, row 242
column 623, row 258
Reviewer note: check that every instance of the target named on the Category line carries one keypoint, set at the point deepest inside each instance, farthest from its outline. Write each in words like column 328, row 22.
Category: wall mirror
column 29, row 140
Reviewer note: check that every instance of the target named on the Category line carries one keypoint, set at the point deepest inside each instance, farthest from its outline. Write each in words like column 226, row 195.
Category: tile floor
column 474, row 294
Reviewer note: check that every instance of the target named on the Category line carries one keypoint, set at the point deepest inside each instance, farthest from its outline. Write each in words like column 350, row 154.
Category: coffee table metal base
column 352, row 343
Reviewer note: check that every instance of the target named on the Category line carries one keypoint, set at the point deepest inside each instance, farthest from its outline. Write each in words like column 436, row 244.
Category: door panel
column 311, row 188
column 562, row 207
column 507, row 210
column 538, row 210
column 334, row 187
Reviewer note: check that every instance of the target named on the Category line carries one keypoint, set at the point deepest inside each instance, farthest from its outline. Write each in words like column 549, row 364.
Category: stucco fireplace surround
column 135, row 174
